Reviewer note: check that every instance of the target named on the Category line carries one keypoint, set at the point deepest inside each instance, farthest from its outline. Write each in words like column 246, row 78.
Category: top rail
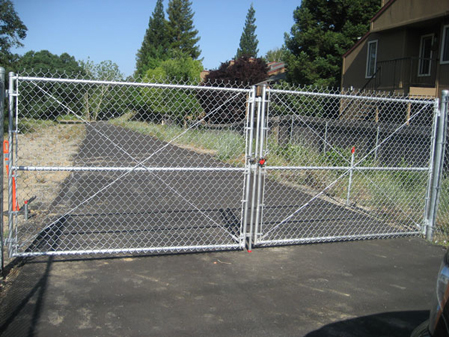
column 134, row 84
column 423, row 100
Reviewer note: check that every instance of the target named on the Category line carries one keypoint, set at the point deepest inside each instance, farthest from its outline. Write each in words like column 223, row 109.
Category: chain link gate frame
column 384, row 201
column 187, row 225
column 275, row 192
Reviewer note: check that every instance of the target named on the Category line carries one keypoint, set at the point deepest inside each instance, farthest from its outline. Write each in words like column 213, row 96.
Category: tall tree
column 12, row 30
column 103, row 71
column 323, row 31
column 182, row 33
column 248, row 40
column 155, row 43
column 102, row 101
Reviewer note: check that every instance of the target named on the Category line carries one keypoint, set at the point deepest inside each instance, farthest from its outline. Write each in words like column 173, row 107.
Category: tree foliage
column 12, row 30
column 155, row 43
column 275, row 55
column 104, row 71
column 246, row 70
column 47, row 62
column 168, row 39
column 248, row 40
column 224, row 107
column 182, row 33
column 323, row 31
column 183, row 69
column 47, row 100
column 103, row 100
column 159, row 104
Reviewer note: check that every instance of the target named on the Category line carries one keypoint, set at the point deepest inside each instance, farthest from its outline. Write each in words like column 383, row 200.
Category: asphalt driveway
column 363, row 288
column 104, row 208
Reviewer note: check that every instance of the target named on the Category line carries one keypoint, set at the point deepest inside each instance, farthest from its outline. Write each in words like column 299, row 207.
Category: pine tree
column 182, row 33
column 155, row 44
column 248, row 40
column 323, row 31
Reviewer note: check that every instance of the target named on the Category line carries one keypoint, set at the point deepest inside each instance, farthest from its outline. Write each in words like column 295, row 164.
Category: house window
column 425, row 55
column 371, row 59
column 445, row 45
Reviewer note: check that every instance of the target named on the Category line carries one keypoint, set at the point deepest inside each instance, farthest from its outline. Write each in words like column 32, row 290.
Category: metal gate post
column 263, row 125
column 2, row 122
column 249, row 160
column 11, row 97
column 438, row 161
column 254, row 171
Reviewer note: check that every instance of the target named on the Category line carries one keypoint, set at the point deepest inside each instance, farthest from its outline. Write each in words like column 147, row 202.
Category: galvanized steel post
column 438, row 161
column 249, row 153
column 10, row 161
column 2, row 114
column 261, row 162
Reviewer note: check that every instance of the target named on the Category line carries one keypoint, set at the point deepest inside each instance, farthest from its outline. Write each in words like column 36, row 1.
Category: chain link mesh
column 344, row 166
column 127, row 166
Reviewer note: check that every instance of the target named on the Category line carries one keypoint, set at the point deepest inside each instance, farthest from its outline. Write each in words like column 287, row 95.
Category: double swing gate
column 102, row 166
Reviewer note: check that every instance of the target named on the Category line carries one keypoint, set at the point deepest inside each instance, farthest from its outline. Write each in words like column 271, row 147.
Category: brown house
column 406, row 50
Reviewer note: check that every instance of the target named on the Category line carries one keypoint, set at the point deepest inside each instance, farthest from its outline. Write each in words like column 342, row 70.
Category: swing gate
column 96, row 166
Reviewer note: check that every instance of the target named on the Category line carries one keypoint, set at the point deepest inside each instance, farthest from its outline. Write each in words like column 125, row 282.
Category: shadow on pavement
column 398, row 324
column 21, row 309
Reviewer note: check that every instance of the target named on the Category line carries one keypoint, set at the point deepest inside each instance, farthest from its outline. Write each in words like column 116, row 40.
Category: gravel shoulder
column 50, row 146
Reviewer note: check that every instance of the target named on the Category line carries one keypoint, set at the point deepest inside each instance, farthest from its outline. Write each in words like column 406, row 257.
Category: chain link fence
column 98, row 166
column 115, row 167
column 344, row 166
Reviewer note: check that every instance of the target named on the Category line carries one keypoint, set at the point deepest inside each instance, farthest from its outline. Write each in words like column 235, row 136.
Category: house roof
column 356, row 44
column 383, row 9
column 418, row 11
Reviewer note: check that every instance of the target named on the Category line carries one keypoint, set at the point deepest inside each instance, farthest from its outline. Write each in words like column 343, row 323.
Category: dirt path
column 51, row 145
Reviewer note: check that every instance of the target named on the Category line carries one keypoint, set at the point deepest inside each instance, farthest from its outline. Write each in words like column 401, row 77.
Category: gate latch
column 262, row 162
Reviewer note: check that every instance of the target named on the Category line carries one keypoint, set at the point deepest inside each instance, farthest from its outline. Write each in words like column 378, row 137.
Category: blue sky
column 114, row 29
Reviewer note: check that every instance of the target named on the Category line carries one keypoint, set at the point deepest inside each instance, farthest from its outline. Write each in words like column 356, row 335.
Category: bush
column 223, row 107
column 178, row 104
